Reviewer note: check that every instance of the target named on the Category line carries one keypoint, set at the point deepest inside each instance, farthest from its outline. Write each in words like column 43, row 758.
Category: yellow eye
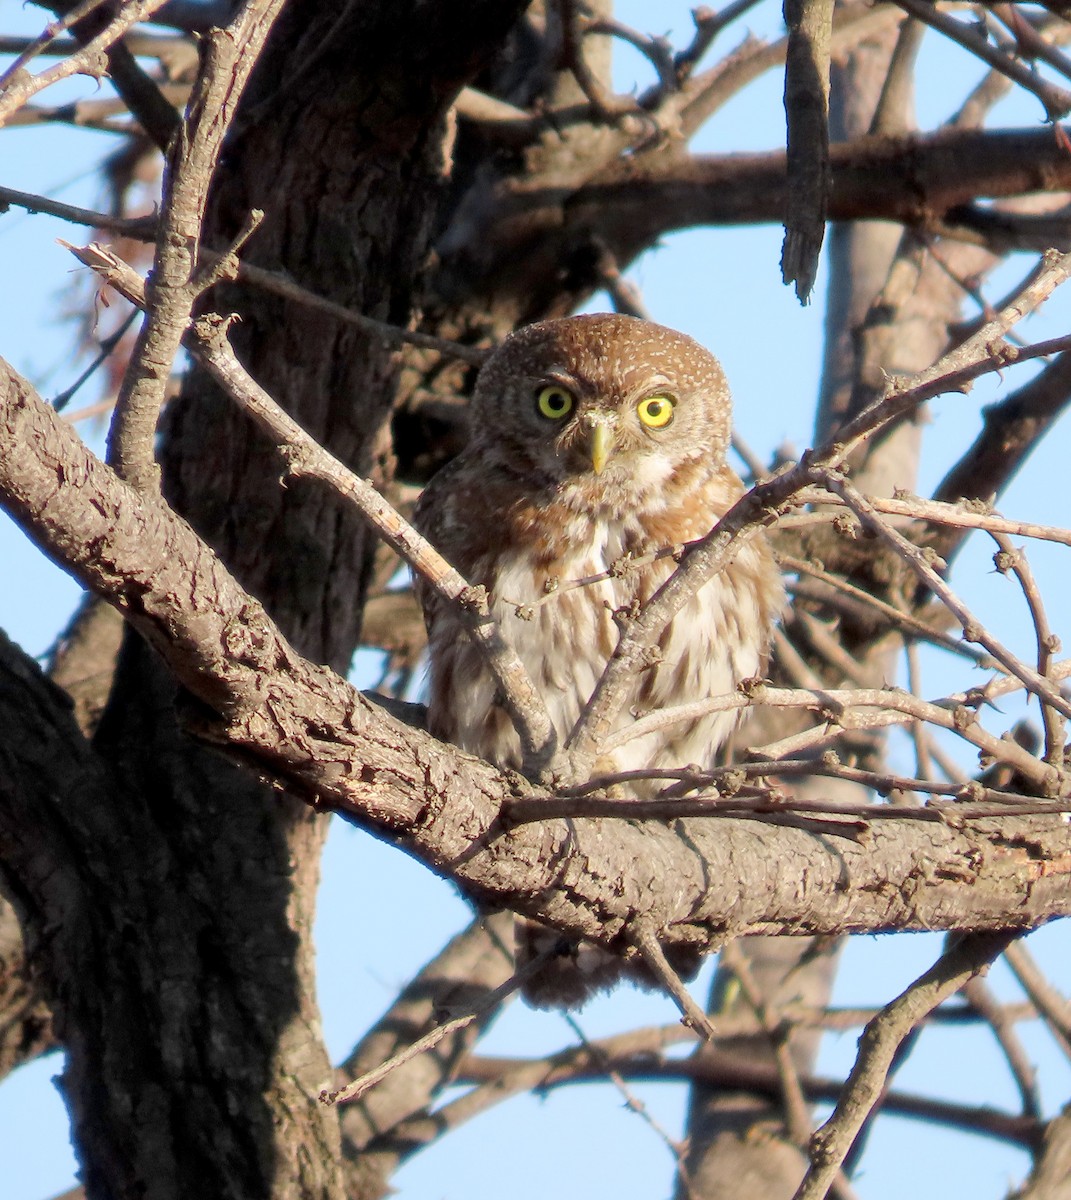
column 655, row 412
column 554, row 403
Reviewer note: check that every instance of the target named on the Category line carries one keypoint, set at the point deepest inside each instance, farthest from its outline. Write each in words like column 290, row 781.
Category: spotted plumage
column 598, row 443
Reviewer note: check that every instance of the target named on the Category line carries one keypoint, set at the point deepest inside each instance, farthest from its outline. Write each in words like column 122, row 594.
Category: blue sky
column 724, row 288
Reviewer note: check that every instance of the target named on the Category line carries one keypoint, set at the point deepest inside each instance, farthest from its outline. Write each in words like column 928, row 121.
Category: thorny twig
column 1053, row 1008
column 1008, row 558
column 973, row 630
column 18, row 86
column 838, row 706
column 48, row 40
column 1056, row 100
column 964, row 514
column 1031, row 43
column 635, row 1105
column 966, row 957
column 762, row 505
column 855, row 597
column 304, row 456
column 356, row 1089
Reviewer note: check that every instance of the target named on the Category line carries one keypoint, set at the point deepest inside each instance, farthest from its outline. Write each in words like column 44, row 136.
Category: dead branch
column 18, row 85
column 968, row 956
column 174, row 284
column 765, row 501
column 301, row 721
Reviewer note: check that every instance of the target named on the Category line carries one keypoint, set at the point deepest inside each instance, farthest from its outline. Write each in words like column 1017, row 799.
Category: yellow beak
column 602, row 442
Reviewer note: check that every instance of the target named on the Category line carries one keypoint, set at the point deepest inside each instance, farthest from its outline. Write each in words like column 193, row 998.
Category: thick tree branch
column 910, row 177
column 302, row 722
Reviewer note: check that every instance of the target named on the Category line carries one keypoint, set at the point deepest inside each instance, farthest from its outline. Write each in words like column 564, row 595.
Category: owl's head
column 604, row 396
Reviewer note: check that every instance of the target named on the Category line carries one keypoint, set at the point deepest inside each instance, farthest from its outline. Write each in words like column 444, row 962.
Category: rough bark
column 167, row 896
column 181, row 969
column 592, row 878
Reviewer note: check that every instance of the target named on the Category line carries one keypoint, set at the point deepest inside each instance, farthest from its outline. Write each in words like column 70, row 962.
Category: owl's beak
column 602, row 443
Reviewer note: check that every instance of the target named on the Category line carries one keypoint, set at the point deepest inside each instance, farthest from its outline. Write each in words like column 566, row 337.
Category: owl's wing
column 435, row 516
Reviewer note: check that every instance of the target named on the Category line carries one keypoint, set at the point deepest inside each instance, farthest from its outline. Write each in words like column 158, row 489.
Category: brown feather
column 522, row 512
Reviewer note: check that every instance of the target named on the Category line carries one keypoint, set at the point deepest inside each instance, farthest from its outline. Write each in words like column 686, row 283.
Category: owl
column 597, row 442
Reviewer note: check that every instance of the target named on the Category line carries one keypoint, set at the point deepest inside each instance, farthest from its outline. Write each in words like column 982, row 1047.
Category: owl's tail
column 573, row 972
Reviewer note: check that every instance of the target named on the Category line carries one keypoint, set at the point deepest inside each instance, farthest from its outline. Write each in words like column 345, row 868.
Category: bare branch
column 305, row 457
column 973, row 630
column 89, row 60
column 963, row 514
column 968, row 956
column 1056, row 101
column 228, row 58
column 1010, row 559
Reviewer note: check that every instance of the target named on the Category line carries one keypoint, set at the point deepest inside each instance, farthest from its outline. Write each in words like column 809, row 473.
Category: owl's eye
column 554, row 402
column 655, row 412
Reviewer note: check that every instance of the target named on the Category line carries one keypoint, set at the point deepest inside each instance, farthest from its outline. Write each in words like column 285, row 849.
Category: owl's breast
column 562, row 583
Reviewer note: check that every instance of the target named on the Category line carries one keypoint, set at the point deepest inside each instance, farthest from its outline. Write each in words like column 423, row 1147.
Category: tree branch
column 692, row 882
column 880, row 1040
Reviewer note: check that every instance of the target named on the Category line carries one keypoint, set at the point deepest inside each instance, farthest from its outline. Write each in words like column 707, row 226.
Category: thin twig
column 1053, row 1008
column 840, row 707
column 1056, row 101
column 89, row 60
column 729, row 1073
column 965, row 958
column 692, row 1015
column 1010, row 559
column 145, row 229
column 906, row 622
column 635, row 1105
column 777, row 1029
column 973, row 630
column 107, row 349
column 47, row 41
column 963, row 514
column 1031, row 43
column 980, row 997
column 708, row 24
column 919, row 735
column 356, row 1089
column 849, row 820
column 605, row 105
